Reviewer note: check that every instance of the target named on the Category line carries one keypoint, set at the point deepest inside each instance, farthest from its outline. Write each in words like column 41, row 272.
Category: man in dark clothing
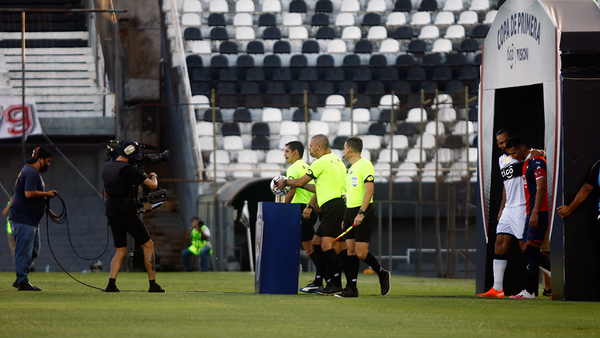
column 121, row 180
column 27, row 208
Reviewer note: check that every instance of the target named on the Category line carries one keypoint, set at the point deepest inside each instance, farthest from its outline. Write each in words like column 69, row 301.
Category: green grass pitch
column 223, row 304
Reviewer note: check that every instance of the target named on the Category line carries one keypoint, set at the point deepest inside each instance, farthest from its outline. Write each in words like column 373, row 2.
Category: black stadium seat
column 351, row 61
column 228, row 128
column 416, row 74
column 200, row 88
column 219, row 61
column 320, row 19
column 477, row 60
column 371, row 19
column 428, row 86
column 363, row 47
column 403, row 6
column 335, row 74
column 298, row 6
column 375, row 88
column 228, row 47
column 468, row 73
column 417, row 46
column 298, row 87
column 275, row 87
column 245, row 61
column 408, row 129
column 431, row 60
column 456, row 59
column 324, row 6
column 272, row 61
column 249, row 88
column 378, row 61
column 401, row 88
column 308, row 74
column 255, row 74
column 428, row 6
column 324, row 88
column 227, row 101
column 282, row 74
column 226, row 88
column 338, row 142
column 298, row 61
column 255, row 47
column 310, row 47
column 193, row 61
column 216, row 19
column 300, row 116
column 363, row 101
column 192, row 33
column 261, row 142
column 242, row 115
column 405, row 60
column 218, row 116
column 404, row 33
column 362, row 74
column 325, row 61
column 254, row 101
column 377, row 128
column 346, row 87
column 469, row 46
column 267, row 20
column 388, row 74
column 201, row 74
column 454, row 87
column 325, row 33
column 282, row 47
column 219, row 33
column 228, row 74
column 272, row 33
column 442, row 74
column 480, row 32
column 260, row 128
column 280, row 100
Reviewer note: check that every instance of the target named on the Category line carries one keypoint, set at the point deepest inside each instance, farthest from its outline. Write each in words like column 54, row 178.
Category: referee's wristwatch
column 360, row 212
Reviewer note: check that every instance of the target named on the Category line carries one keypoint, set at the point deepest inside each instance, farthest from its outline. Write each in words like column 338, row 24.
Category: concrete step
column 51, row 74
column 53, row 83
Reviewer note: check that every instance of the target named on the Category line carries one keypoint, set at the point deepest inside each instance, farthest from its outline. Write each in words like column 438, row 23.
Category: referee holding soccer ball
column 329, row 174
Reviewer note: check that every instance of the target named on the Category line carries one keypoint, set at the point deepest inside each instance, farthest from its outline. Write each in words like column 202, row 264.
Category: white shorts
column 512, row 221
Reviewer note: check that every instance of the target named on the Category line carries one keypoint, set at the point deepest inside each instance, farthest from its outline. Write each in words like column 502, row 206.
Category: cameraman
column 121, row 180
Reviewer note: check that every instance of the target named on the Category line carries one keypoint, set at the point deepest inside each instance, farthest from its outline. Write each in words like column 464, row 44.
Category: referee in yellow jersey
column 359, row 211
column 329, row 175
column 293, row 155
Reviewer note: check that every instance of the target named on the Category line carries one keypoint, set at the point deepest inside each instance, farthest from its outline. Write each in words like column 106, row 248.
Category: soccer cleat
column 547, row 293
column 112, row 288
column 385, row 282
column 312, row 288
column 156, row 288
column 331, row 290
column 493, row 293
column 26, row 286
column 347, row 293
column 523, row 295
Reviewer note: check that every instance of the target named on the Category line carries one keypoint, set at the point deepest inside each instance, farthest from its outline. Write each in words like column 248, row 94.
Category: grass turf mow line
column 224, row 305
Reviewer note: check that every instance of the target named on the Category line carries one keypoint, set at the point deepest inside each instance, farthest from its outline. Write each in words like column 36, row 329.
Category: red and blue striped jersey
column 533, row 170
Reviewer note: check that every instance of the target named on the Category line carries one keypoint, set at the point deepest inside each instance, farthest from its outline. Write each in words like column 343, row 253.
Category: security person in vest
column 200, row 234
column 121, row 180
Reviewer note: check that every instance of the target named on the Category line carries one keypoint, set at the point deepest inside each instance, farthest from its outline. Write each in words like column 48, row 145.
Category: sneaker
column 385, row 282
column 523, row 295
column 156, row 288
column 15, row 284
column 493, row 293
column 26, row 286
column 347, row 293
column 112, row 288
column 547, row 293
column 330, row 290
column 312, row 288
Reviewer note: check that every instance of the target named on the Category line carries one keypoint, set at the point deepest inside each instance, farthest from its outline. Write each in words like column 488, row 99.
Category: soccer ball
column 277, row 191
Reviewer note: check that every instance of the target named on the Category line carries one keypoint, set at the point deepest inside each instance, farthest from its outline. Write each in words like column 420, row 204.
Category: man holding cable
column 329, row 174
column 121, row 180
column 359, row 212
column 26, row 210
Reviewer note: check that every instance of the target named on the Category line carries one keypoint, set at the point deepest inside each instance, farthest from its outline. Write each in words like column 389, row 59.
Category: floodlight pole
column 23, row 108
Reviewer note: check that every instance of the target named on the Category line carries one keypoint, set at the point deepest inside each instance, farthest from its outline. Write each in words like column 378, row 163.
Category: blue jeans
column 204, row 258
column 28, row 248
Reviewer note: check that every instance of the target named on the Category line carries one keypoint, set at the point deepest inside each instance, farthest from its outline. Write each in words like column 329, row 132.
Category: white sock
column 499, row 267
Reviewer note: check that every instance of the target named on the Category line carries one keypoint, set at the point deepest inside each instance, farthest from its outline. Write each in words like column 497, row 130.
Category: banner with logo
column 11, row 117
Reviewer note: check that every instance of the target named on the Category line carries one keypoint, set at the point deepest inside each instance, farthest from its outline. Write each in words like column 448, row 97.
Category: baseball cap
column 130, row 150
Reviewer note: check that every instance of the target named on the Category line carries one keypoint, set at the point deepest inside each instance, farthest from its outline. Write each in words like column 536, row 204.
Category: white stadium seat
column 351, row 33
column 385, row 155
column 455, row 32
column 289, row 128
column 247, row 156
column 446, row 114
column 344, row 129
column 269, row 169
column 336, row 46
column 444, row 156
column 381, row 170
column 218, row 6
column 244, row 33
column 443, row 99
column 444, row 18
column 429, row 32
column 377, row 33
column 408, row 169
column 416, row 115
column 428, row 141
column 376, row 6
column 396, row 19
column 442, row 46
column 275, row 156
column 190, row 19
column 414, row 155
column 461, row 128
column 400, row 142
column 204, row 128
column 421, row 19
column 468, row 18
column 430, row 128
column 245, row 6
column 351, row 6
column 292, row 19
column 271, row 6
column 271, row 115
column 489, row 17
column 453, row 5
column 233, row 143
column 361, row 115
column 318, row 127
column 331, row 115
column 298, row 33
column 190, row 6
column 385, row 102
column 389, row 46
column 371, row 142
column 242, row 170
column 344, row 20
column 480, row 5
column 201, row 47
column 335, row 101
column 242, row 19
column 222, row 157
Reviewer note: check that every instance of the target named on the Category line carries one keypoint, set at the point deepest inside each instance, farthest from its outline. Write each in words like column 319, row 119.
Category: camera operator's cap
column 39, row 152
column 130, row 150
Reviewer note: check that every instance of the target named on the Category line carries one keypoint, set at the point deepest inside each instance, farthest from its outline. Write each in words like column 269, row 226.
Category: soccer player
column 293, row 155
column 329, row 174
column 511, row 218
column 536, row 194
column 359, row 211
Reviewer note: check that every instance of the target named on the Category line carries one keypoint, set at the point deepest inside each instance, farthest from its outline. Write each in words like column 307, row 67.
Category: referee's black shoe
column 156, row 288
column 111, row 288
column 348, row 293
column 331, row 290
column 384, row 281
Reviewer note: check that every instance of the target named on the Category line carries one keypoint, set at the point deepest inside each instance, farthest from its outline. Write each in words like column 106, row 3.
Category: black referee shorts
column 333, row 215
column 362, row 232
column 128, row 223
column 308, row 225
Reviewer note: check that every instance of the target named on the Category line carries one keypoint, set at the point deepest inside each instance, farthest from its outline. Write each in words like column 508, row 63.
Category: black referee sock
column 152, row 281
column 351, row 267
column 317, row 258
column 333, row 267
column 373, row 263
column 343, row 257
column 112, row 281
